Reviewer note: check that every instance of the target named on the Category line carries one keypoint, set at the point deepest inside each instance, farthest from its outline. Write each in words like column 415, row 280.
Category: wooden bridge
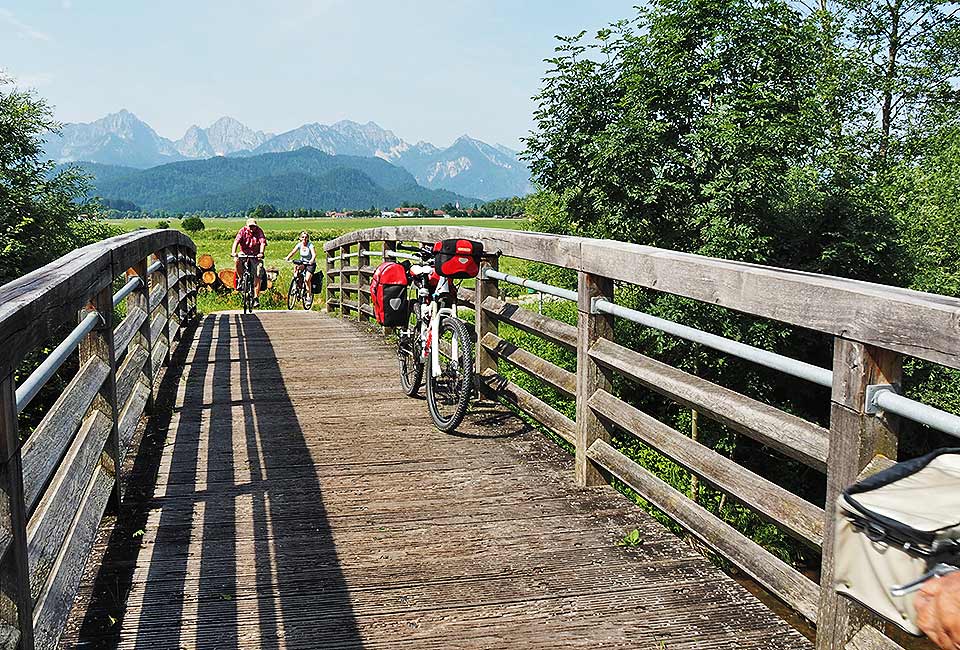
column 284, row 493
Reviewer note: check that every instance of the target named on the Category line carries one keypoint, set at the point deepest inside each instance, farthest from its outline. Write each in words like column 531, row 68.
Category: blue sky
column 427, row 69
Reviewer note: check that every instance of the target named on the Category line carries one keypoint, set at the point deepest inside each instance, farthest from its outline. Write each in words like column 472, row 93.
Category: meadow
column 217, row 239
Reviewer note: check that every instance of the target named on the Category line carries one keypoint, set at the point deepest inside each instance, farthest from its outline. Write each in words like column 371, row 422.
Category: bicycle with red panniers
column 430, row 336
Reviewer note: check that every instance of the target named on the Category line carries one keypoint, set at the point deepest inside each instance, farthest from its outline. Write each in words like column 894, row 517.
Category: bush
column 162, row 224
column 192, row 224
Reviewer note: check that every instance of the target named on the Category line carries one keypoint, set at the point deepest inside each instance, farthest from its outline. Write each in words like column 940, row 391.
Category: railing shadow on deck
column 252, row 490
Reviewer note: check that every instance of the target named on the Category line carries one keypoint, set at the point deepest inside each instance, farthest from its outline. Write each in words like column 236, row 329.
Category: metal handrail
column 156, row 266
column 39, row 377
column 885, row 398
column 531, row 284
column 402, row 256
column 127, row 289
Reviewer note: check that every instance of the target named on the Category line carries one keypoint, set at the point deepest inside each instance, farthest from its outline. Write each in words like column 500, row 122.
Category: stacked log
column 228, row 277
column 205, row 262
column 209, row 279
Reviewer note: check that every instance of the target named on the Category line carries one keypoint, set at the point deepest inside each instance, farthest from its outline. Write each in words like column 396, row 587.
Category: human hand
column 938, row 610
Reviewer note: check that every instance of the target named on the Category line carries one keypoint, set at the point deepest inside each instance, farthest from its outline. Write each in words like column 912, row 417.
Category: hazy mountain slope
column 117, row 139
column 305, row 178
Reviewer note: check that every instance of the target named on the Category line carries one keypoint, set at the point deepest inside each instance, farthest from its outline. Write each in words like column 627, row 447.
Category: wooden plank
column 50, row 522
column 787, row 583
column 366, row 309
column 363, row 297
column 16, row 607
column 157, row 294
column 529, row 321
column 802, row 519
column 43, row 450
column 157, row 326
column 591, row 376
column 130, row 417
column 128, row 328
column 348, row 305
column 132, row 370
column 466, row 297
column 788, row 434
column 531, row 405
column 56, row 598
column 869, row 638
column 349, row 270
column 159, row 357
column 563, row 380
column 855, row 439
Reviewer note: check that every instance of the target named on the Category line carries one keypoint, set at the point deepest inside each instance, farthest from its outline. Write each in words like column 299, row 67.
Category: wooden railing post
column 855, row 438
column 162, row 255
column 327, row 275
column 16, row 608
column 99, row 343
column 344, row 262
column 192, row 285
column 590, row 375
column 363, row 300
column 485, row 324
column 140, row 299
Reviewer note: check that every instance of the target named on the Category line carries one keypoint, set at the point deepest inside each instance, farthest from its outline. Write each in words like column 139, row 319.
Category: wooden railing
column 57, row 481
column 873, row 328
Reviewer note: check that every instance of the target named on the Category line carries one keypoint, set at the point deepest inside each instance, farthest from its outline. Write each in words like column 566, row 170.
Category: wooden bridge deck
column 299, row 500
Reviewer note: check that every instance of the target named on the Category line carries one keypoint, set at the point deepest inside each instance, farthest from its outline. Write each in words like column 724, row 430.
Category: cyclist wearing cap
column 251, row 240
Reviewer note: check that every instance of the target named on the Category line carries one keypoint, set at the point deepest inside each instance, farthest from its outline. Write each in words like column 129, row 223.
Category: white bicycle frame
column 430, row 317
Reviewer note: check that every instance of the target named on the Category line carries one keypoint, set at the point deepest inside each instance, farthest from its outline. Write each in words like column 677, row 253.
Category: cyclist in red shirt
column 251, row 241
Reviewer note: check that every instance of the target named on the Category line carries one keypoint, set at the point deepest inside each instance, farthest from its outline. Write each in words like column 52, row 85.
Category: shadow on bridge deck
column 297, row 499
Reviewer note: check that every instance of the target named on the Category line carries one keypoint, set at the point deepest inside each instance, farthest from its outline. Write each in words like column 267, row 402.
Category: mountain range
column 468, row 167
column 305, row 178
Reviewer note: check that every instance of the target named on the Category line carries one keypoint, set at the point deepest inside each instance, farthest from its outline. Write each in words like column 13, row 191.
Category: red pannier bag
column 457, row 258
column 388, row 292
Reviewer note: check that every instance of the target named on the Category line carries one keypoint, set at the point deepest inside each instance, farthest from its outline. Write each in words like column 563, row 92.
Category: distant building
column 439, row 213
column 340, row 215
column 408, row 212
column 388, row 213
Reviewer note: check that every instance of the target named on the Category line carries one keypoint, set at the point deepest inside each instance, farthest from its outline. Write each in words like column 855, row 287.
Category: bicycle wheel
column 292, row 293
column 410, row 354
column 448, row 394
column 246, row 290
column 307, row 295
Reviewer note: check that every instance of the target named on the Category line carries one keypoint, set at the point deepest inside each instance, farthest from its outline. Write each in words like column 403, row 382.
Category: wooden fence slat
column 563, row 380
column 54, row 514
column 484, row 326
column 43, row 450
column 799, row 517
column 159, row 356
column 363, row 298
column 869, row 638
column 780, row 578
column 16, row 606
column 131, row 372
column 788, row 434
column 128, row 328
column 531, row 405
column 157, row 295
column 529, row 321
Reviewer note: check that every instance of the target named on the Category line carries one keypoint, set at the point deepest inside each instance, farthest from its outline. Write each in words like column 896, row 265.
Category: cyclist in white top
column 308, row 256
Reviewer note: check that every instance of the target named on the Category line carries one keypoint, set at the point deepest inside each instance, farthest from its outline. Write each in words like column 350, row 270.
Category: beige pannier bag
column 894, row 527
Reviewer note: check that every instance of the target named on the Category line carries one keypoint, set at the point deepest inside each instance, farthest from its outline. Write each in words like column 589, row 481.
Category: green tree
column 43, row 212
column 192, row 224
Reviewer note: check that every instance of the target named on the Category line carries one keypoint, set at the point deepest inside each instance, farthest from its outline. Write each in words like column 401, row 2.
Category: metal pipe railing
column 39, row 377
column 126, row 290
column 772, row 360
column 887, row 399
column 401, row 256
column 548, row 289
column 156, row 266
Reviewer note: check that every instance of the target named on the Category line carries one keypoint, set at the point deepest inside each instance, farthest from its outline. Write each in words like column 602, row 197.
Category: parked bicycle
column 430, row 335
column 245, row 284
column 299, row 289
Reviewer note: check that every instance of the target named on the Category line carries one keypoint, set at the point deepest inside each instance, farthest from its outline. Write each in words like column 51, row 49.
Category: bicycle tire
column 292, row 293
column 455, row 383
column 409, row 355
column 247, row 293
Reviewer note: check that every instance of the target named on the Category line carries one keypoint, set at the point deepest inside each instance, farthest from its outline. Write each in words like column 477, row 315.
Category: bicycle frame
column 431, row 314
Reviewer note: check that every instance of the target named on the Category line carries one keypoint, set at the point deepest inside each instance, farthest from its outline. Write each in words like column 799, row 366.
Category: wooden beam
column 563, row 380
column 591, row 376
column 484, row 325
column 797, row 516
column 788, row 434
column 781, row 579
column 529, row 321
column 531, row 405
column 855, row 438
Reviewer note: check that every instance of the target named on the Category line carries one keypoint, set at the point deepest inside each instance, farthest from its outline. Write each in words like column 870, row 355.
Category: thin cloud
column 37, row 80
column 67, row 4
column 22, row 28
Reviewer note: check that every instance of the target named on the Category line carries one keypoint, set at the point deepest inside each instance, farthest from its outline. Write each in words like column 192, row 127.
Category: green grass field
column 217, row 239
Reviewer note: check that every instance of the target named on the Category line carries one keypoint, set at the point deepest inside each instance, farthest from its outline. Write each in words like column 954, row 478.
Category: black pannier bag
column 388, row 292
column 457, row 258
column 894, row 527
column 316, row 283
